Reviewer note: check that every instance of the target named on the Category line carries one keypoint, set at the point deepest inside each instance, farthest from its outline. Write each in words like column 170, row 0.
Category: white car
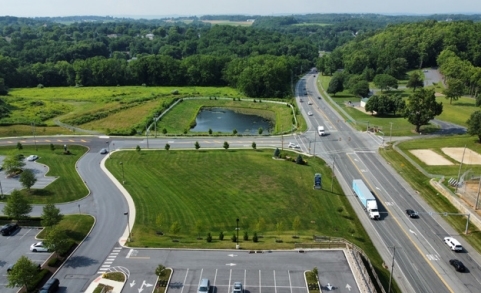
column 309, row 113
column 294, row 145
column 309, row 103
column 38, row 247
column 237, row 288
column 32, row 158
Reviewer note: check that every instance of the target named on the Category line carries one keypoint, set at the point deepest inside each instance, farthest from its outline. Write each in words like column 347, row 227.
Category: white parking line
column 260, row 285
column 186, row 273
column 215, row 277
column 230, row 278
column 245, row 280
column 290, row 284
column 275, row 283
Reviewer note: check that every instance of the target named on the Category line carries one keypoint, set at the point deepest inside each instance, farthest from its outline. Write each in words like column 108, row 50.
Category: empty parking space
column 254, row 281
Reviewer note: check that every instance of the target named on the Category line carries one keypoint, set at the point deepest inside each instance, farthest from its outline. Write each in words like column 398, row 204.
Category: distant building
column 112, row 36
column 251, row 20
column 364, row 101
column 149, row 36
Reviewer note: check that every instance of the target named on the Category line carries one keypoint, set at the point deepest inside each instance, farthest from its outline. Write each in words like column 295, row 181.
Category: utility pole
column 459, row 172
column 392, row 268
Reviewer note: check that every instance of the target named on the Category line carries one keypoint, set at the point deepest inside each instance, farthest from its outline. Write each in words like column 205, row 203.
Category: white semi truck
column 367, row 199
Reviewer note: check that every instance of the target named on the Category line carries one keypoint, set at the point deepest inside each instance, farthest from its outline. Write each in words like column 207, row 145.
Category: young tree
column 226, row 145
column 422, row 107
column 137, row 148
column 260, row 130
column 57, row 240
column 299, row 160
column 234, row 132
column 198, row 227
column 415, row 81
column 175, row 228
column 210, row 131
column 474, row 124
column 261, row 225
column 23, row 273
column 454, row 90
column 197, row 145
column 51, row 215
column 17, row 206
column 277, row 153
column 164, row 131
column 159, row 220
column 279, row 227
column 160, row 271
column 254, row 145
column 13, row 163
column 167, row 147
column 27, row 178
column 296, row 224
column 19, row 146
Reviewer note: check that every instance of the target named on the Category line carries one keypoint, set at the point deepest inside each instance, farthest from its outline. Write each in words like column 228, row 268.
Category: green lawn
column 76, row 227
column 457, row 112
column 68, row 186
column 205, row 191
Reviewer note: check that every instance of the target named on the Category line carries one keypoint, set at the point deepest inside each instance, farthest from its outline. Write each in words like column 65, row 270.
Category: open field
column 431, row 158
column 205, row 191
column 457, row 112
column 68, row 186
column 28, row 130
column 420, row 183
column 436, row 145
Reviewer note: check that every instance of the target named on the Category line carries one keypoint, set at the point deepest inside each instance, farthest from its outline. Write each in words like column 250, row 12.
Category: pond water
column 226, row 120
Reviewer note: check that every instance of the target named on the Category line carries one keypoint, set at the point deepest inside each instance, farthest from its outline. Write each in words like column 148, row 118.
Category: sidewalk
column 117, row 286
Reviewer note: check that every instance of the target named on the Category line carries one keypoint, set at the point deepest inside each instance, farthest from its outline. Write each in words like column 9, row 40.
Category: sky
column 149, row 8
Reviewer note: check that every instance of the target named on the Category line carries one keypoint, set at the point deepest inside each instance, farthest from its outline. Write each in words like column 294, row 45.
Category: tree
column 23, row 273
column 197, row 145
column 385, row 81
column 415, row 81
column 52, row 147
column 51, row 215
column 167, row 147
column 422, row 107
column 261, row 225
column 57, row 240
column 279, row 227
column 234, row 132
column 164, row 131
column 360, row 89
column 246, row 236
column 277, row 153
column 210, row 131
column 17, row 206
column 19, row 146
column 260, row 130
column 226, row 145
column 27, row 178
column 372, row 105
column 160, row 271
column 159, row 220
column 175, row 228
column 137, row 148
column 3, row 88
column 474, row 124
column 335, row 85
column 454, row 90
column 299, row 160
column 296, row 224
column 198, row 227
column 13, row 163
column 254, row 145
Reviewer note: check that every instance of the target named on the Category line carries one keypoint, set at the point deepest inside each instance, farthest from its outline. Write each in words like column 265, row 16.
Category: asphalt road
column 421, row 256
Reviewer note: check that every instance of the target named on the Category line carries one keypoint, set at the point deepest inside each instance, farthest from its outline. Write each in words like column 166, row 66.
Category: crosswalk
column 110, row 259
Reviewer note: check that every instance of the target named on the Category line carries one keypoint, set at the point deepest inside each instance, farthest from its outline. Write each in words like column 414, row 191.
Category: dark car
column 8, row 229
column 412, row 213
column 104, row 151
column 458, row 265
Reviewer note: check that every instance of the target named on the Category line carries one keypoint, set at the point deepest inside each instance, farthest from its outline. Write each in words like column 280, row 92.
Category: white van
column 320, row 129
column 453, row 244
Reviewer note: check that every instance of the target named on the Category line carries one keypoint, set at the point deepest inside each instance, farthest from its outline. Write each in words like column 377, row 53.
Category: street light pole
column 128, row 225
column 123, row 176
column 237, row 237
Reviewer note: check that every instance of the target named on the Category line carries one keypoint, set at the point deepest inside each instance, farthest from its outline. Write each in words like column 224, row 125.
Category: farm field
column 68, row 187
column 457, row 112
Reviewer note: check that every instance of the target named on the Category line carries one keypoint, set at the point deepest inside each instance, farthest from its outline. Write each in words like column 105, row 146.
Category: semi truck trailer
column 367, row 199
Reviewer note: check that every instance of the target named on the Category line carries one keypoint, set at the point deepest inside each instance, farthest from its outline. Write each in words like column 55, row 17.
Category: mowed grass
column 181, row 116
column 68, row 186
column 436, row 144
column 75, row 226
column 27, row 130
column 211, row 189
column 457, row 112
column 437, row 202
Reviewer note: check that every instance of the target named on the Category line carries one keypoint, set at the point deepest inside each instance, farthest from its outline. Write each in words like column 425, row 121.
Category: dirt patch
column 431, row 158
column 470, row 157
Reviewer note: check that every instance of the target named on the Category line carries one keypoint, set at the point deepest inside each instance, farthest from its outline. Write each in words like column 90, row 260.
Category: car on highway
column 453, row 244
column 237, row 288
column 458, row 265
column 38, row 247
column 32, row 158
column 309, row 113
column 309, row 103
column 8, row 229
column 294, row 145
column 104, row 151
column 412, row 213
column 319, row 97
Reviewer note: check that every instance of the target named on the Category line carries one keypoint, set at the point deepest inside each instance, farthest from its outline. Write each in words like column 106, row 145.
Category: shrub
column 167, row 146
column 340, row 209
column 254, row 145
column 234, row 131
column 53, row 262
column 221, row 235
column 299, row 160
column 233, row 238
column 209, row 237
column 52, row 147
column 40, row 86
column 210, row 131
column 246, row 236
column 277, row 153
column 255, row 238
column 19, row 146
column 137, row 148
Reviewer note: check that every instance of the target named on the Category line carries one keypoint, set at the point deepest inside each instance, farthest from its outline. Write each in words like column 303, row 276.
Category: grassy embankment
column 75, row 226
column 205, row 191
column 457, row 112
column 420, row 182
column 68, row 186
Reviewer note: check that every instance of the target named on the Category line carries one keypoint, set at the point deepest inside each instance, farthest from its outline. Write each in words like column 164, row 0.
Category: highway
column 421, row 255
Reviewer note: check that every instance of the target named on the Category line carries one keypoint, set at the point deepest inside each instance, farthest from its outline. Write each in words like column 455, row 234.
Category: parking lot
column 12, row 248
column 254, row 281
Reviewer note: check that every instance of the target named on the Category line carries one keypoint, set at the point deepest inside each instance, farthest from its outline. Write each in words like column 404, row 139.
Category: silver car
column 237, row 288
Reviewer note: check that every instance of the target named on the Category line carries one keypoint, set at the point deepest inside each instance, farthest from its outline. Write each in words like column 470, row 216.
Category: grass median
column 75, row 226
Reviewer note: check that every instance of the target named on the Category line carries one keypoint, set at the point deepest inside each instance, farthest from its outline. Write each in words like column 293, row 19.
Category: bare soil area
column 431, row 158
column 470, row 157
